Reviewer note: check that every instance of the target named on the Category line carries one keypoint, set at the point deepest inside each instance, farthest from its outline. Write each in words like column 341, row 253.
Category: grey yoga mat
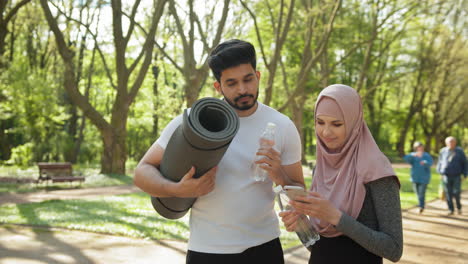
column 201, row 141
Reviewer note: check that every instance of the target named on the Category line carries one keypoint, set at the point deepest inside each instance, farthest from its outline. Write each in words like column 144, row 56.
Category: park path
column 433, row 237
column 65, row 194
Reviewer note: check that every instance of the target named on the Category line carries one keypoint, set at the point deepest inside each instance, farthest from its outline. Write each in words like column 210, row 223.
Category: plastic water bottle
column 304, row 229
column 267, row 140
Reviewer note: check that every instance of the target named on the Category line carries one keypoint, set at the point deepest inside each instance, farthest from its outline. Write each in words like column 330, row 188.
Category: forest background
column 95, row 81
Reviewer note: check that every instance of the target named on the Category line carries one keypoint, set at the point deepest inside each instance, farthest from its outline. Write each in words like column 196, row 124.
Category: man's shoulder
column 275, row 113
column 442, row 150
column 459, row 149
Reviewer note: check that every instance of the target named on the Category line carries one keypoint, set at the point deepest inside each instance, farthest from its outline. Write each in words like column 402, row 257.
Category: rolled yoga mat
column 201, row 141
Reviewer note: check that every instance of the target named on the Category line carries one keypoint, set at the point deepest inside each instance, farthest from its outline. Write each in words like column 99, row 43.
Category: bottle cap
column 271, row 125
column 278, row 189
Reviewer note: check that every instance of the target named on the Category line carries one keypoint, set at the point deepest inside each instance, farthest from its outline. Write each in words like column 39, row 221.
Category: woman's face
column 420, row 149
column 331, row 131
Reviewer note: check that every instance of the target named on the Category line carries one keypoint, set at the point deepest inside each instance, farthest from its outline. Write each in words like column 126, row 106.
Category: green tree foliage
column 94, row 97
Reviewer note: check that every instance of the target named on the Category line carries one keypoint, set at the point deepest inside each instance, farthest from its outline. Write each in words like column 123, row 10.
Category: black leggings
column 270, row 252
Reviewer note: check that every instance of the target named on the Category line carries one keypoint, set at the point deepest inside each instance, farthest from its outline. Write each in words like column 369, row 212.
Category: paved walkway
column 67, row 194
column 432, row 237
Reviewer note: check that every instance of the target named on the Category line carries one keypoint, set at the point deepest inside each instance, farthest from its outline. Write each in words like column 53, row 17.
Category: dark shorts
column 270, row 252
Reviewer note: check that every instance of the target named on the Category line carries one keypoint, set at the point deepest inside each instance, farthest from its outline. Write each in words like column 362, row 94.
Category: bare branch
column 221, row 24
column 148, row 48
column 132, row 18
column 14, row 10
column 71, row 87
column 98, row 48
column 179, row 26
column 257, row 31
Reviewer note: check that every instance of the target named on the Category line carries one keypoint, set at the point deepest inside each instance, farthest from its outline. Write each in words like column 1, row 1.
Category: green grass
column 132, row 214
column 128, row 215
column 92, row 175
column 408, row 197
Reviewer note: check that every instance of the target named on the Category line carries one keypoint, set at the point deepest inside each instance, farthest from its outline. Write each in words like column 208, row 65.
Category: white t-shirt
column 239, row 212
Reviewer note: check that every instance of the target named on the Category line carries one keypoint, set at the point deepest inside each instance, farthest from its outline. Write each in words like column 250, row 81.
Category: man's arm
column 280, row 174
column 439, row 162
column 464, row 163
column 293, row 175
column 150, row 180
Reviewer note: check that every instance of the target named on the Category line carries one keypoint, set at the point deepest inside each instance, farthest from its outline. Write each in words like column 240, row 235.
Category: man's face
column 239, row 86
column 450, row 143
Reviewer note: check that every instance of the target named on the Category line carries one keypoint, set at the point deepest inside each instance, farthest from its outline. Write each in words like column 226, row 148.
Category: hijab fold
column 340, row 176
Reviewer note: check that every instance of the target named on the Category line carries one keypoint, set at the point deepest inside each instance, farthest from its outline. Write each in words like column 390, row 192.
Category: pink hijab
column 340, row 177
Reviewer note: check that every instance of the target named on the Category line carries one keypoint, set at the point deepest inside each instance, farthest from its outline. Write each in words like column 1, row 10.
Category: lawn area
column 27, row 175
column 128, row 215
column 408, row 198
column 132, row 214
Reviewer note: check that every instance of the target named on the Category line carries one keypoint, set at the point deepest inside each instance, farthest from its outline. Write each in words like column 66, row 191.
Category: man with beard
column 233, row 219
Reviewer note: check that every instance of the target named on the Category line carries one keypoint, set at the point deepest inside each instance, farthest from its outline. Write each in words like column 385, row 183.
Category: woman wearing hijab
column 421, row 163
column 354, row 200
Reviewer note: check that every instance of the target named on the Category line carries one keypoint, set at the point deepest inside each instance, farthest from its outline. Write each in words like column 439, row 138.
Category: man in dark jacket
column 451, row 165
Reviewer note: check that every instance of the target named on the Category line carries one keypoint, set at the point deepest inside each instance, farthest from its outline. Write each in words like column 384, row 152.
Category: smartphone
column 293, row 191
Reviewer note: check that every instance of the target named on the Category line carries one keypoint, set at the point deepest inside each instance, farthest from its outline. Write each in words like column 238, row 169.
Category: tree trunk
column 6, row 17
column 297, row 118
column 155, row 71
column 193, row 83
column 3, row 33
column 114, row 133
column 114, row 153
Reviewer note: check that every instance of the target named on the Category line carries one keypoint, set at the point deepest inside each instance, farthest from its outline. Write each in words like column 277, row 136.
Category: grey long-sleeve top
column 378, row 227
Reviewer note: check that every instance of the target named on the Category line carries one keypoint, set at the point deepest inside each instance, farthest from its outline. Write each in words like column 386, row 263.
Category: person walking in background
column 451, row 165
column 421, row 163
column 354, row 200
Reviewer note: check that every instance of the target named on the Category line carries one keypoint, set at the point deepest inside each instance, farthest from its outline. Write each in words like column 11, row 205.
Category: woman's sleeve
column 428, row 160
column 408, row 158
column 387, row 241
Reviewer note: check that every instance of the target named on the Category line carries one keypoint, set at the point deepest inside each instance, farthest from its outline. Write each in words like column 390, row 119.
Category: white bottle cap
column 278, row 189
column 271, row 125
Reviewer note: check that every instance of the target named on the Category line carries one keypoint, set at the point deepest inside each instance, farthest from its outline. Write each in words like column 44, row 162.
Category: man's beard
column 242, row 107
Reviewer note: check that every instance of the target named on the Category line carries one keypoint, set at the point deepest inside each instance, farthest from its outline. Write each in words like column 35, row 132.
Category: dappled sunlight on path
column 35, row 246
column 66, row 194
column 430, row 237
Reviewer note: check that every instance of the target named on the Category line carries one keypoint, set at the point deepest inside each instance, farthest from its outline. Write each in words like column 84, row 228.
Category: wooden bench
column 57, row 172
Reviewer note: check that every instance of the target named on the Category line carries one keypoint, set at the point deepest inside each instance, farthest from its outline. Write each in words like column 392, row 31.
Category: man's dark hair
column 229, row 54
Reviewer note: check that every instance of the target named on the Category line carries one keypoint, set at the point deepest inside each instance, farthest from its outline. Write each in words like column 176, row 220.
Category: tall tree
column 8, row 10
column 279, row 22
column 129, row 77
column 197, row 38
column 318, row 28
column 387, row 22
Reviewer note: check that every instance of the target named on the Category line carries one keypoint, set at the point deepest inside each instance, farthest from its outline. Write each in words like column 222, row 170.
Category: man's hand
column 195, row 187
column 271, row 162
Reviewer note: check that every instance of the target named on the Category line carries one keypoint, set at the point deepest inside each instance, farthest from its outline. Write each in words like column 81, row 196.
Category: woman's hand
column 318, row 207
column 289, row 219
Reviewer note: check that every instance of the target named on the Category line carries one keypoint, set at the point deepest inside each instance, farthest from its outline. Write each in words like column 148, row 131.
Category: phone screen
column 294, row 191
